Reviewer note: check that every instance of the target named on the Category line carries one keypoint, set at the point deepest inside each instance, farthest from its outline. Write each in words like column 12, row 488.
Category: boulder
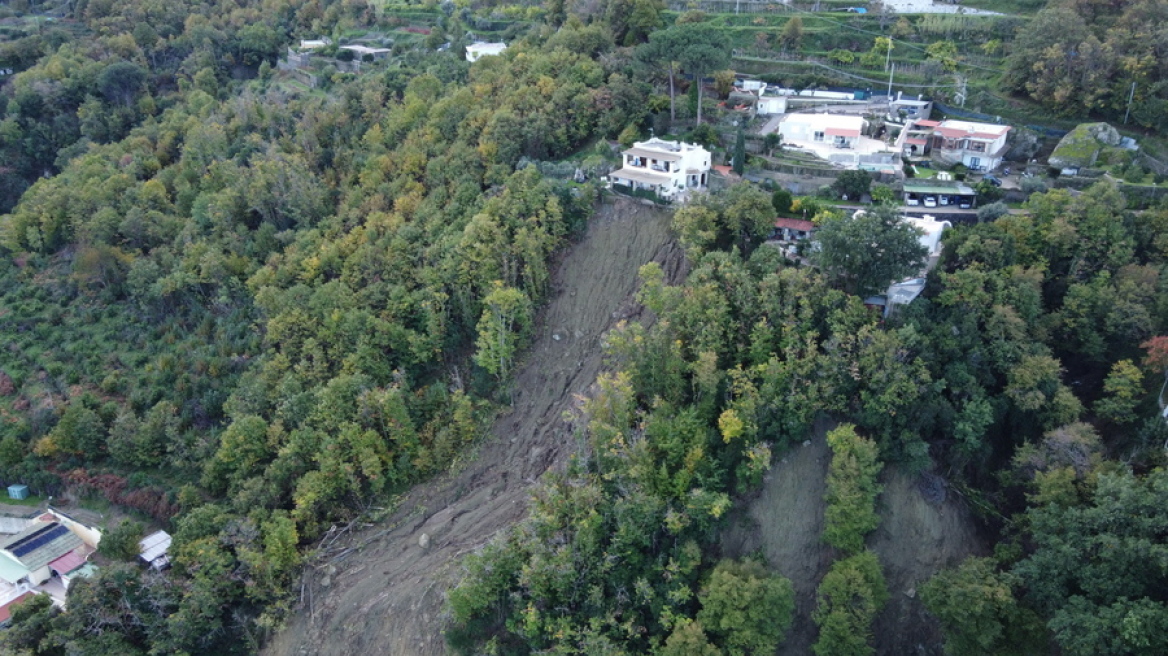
column 1081, row 147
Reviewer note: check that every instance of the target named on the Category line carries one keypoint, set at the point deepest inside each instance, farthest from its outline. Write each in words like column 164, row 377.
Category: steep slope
column 917, row 537
column 384, row 592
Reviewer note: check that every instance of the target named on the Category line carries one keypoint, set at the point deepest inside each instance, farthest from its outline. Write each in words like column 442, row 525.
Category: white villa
column 664, row 167
column 835, row 130
column 476, row 50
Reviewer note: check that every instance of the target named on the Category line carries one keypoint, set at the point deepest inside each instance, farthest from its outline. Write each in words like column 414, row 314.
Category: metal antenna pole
column 1131, row 94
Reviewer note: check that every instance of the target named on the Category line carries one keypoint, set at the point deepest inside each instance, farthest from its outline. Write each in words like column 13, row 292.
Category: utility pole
column 1130, row 95
column 888, row 55
column 962, row 92
column 890, row 74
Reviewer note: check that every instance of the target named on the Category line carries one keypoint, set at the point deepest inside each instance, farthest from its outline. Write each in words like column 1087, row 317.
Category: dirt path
column 388, row 598
column 915, row 539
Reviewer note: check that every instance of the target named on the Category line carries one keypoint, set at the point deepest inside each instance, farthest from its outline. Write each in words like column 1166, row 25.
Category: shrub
column 992, row 212
column 121, row 542
column 747, row 607
column 782, row 200
column 841, row 56
column 1034, row 185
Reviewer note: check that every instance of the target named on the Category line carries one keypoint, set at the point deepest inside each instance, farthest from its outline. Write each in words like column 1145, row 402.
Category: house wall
column 988, row 159
column 678, row 179
column 89, row 535
column 798, row 131
column 770, row 105
column 41, row 575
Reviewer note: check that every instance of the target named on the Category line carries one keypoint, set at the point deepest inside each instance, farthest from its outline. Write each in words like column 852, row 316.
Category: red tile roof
column 842, row 132
column 917, row 142
column 68, row 562
column 928, row 124
column 795, row 224
column 954, row 133
column 6, row 609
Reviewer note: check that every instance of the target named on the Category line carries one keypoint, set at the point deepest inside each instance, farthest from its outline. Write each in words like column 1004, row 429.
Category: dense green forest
column 246, row 309
column 1030, row 325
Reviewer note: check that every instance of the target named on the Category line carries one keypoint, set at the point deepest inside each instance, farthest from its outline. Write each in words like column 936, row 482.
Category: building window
column 978, row 147
column 819, row 136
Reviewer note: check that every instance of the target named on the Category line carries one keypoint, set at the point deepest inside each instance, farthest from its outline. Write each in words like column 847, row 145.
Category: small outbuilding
column 154, row 549
column 475, row 51
column 361, row 52
column 17, row 491
column 792, row 229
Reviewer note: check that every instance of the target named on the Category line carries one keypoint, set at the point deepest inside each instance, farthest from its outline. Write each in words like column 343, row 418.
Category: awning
column 939, row 187
column 653, row 154
column 795, row 224
column 637, row 175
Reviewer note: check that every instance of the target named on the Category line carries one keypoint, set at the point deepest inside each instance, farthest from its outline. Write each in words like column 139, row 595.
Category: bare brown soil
column 386, row 595
column 917, row 537
column 783, row 524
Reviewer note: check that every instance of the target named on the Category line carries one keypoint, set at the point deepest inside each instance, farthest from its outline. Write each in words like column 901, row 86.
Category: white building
column 979, row 146
column 903, row 109
column 932, row 230
column 771, row 102
column 476, row 50
column 154, row 549
column 836, row 130
column 360, row 52
column 664, row 167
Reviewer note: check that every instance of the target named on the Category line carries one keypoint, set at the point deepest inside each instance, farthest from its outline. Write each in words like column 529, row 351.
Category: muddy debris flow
column 385, row 594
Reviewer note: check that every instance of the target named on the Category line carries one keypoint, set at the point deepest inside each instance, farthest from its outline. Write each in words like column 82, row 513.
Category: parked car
column 965, row 204
column 992, row 180
column 913, row 201
column 930, row 201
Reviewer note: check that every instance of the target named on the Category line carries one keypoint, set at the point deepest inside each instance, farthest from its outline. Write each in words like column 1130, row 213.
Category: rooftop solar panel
column 31, row 532
column 37, row 540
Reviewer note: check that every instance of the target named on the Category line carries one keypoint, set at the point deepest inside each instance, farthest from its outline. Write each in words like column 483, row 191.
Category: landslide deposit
column 923, row 528
column 384, row 590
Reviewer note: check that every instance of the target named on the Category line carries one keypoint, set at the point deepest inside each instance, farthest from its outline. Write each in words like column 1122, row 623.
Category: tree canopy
column 865, row 253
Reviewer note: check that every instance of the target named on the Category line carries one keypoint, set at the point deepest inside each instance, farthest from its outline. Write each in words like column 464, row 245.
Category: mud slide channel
column 387, row 595
column 917, row 537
